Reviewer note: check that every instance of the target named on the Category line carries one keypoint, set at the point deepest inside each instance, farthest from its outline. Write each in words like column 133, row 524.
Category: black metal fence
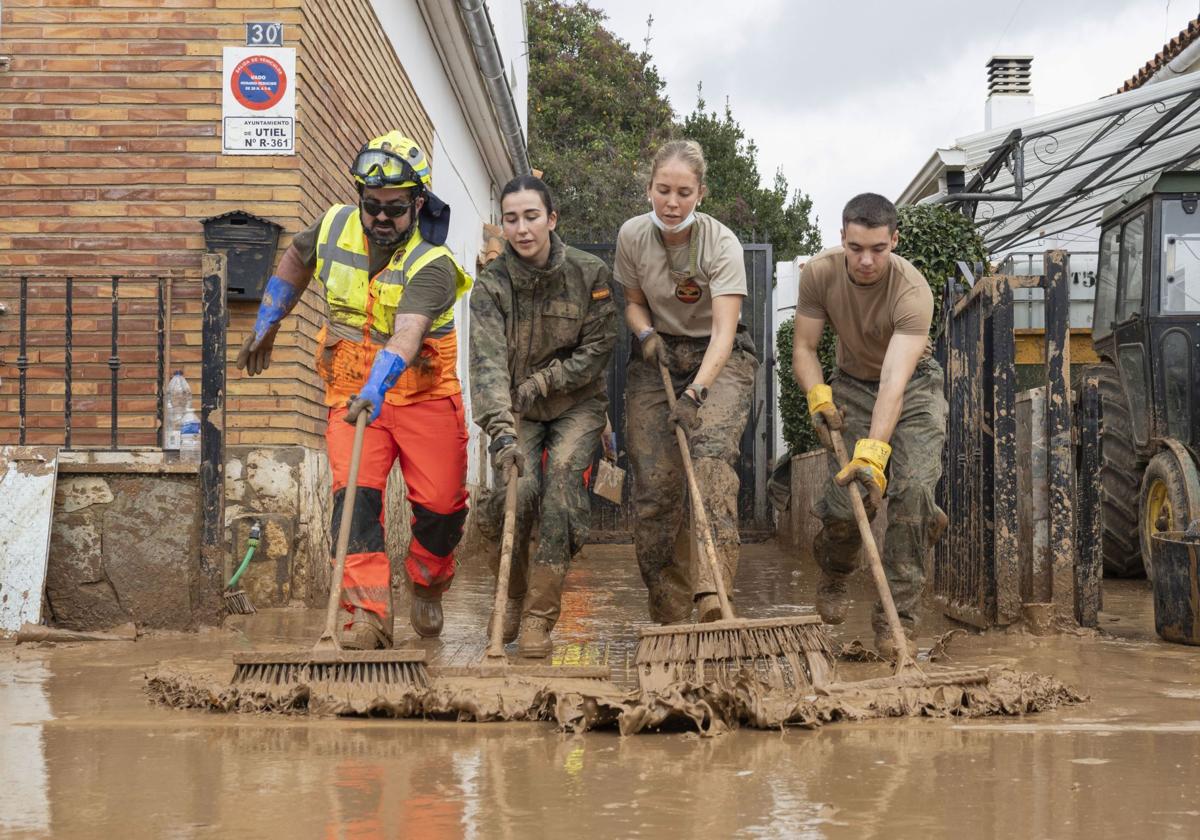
column 1089, row 560
column 973, row 577
column 613, row 523
column 83, row 360
column 977, row 567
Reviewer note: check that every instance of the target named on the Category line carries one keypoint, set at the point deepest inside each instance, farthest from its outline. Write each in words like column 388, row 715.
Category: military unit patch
column 688, row 291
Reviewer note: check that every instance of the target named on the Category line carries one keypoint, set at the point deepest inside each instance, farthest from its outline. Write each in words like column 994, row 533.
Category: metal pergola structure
column 1056, row 173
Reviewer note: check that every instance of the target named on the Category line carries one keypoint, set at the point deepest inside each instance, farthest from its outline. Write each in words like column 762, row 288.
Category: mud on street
column 83, row 753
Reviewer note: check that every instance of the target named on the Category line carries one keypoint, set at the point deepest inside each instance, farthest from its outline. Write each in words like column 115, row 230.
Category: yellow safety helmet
column 392, row 160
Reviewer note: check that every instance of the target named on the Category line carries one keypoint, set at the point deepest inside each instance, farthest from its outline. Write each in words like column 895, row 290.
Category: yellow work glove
column 824, row 413
column 866, row 467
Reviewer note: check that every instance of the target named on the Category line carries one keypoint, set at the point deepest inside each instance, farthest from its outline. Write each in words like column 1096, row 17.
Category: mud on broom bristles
column 781, row 653
column 271, row 681
column 238, row 603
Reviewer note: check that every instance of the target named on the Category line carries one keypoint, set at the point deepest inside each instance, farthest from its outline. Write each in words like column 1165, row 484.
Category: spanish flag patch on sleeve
column 600, row 294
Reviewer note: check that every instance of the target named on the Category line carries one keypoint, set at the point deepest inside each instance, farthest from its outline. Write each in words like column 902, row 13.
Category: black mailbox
column 248, row 243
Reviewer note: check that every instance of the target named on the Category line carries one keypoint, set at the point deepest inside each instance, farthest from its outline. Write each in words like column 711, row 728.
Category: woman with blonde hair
column 684, row 280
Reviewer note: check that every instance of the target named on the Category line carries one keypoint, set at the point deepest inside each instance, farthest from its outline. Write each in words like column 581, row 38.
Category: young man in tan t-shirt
column 886, row 393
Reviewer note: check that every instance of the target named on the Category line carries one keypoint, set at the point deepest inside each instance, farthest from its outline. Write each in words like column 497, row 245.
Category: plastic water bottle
column 189, row 437
column 179, row 400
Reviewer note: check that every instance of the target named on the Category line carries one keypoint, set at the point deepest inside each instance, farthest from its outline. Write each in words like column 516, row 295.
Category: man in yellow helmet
column 389, row 348
column 886, row 392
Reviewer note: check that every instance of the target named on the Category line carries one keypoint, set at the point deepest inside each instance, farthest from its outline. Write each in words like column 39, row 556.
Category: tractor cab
column 1146, row 329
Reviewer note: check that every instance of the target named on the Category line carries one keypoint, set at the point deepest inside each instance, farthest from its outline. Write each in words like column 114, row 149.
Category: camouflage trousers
column 551, row 493
column 673, row 579
column 913, row 472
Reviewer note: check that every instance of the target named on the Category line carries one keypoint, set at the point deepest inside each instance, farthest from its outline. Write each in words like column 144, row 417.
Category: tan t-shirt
column 684, row 309
column 865, row 317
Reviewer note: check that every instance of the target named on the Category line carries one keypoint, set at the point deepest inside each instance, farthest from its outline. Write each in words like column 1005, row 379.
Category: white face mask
column 682, row 226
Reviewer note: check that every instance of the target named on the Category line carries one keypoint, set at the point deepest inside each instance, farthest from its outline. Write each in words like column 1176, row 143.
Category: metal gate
column 978, row 574
column 613, row 524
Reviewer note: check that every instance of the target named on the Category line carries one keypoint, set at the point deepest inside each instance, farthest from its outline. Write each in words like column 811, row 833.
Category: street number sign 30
column 264, row 34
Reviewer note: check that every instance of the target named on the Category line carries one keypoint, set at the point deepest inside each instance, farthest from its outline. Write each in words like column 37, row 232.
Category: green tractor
column 1146, row 330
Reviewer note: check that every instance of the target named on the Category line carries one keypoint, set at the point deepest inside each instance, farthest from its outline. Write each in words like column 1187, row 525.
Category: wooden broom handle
column 343, row 541
column 873, row 559
column 495, row 649
column 710, row 550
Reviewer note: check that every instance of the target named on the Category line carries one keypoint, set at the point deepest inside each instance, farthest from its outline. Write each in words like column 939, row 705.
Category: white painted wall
column 787, row 289
column 460, row 177
column 1003, row 109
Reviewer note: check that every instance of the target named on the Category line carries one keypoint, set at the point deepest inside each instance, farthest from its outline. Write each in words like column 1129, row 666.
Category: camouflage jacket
column 560, row 320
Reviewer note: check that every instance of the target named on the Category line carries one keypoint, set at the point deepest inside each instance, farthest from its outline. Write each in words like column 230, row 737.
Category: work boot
column 886, row 647
column 543, row 599
column 832, row 600
column 534, row 640
column 365, row 633
column 425, row 612
column 512, row 619
column 708, row 608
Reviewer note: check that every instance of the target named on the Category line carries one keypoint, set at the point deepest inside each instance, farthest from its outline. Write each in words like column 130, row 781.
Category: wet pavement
column 83, row 754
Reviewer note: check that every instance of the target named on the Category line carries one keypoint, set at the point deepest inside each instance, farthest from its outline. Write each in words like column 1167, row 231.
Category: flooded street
column 84, row 754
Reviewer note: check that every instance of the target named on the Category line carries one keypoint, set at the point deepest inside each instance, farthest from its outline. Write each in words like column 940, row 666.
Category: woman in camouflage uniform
column 684, row 280
column 543, row 326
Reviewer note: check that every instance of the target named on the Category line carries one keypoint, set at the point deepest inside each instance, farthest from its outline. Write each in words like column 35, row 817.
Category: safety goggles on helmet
column 380, row 168
column 391, row 209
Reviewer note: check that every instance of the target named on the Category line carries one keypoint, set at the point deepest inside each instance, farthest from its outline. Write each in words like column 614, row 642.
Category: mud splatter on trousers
column 913, row 473
column 672, row 579
column 551, row 493
column 429, row 441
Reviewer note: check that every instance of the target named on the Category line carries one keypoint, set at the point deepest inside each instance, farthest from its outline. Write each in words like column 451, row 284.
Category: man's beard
column 386, row 236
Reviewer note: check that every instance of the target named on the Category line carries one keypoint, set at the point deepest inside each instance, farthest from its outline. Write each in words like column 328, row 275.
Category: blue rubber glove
column 276, row 302
column 255, row 354
column 385, row 372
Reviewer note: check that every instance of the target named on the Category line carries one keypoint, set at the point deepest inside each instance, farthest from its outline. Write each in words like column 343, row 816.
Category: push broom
column 327, row 669
column 494, row 663
column 907, row 673
column 791, row 653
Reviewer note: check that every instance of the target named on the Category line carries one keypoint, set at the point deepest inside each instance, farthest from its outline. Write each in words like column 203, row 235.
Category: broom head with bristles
column 791, row 654
column 331, row 672
column 238, row 602
column 504, row 670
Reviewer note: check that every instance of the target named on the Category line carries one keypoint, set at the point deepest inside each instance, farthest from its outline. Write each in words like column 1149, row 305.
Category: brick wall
column 109, row 158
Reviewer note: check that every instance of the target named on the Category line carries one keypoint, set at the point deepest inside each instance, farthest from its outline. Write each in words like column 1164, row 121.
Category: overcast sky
column 855, row 96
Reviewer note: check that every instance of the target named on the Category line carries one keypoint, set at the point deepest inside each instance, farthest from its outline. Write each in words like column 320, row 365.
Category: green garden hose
column 251, row 543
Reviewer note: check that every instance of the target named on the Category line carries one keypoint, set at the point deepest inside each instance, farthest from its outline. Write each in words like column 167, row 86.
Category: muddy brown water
column 83, row 754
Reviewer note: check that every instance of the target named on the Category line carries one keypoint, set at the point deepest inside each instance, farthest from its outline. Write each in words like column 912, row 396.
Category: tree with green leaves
column 597, row 113
column 736, row 195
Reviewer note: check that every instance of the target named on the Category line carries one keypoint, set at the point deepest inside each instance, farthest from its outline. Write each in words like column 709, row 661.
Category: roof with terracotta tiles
column 1170, row 49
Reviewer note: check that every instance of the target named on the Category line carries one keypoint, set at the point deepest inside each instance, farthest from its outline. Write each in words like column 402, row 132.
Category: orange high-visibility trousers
column 430, row 441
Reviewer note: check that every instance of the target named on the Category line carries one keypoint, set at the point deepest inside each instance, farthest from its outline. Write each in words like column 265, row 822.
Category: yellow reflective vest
column 362, row 311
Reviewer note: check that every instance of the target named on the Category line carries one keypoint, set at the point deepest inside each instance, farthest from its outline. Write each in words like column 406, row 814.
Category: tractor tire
column 1169, row 498
column 1120, row 477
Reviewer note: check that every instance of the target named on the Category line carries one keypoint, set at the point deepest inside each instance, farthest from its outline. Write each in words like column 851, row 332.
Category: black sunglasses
column 393, row 210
